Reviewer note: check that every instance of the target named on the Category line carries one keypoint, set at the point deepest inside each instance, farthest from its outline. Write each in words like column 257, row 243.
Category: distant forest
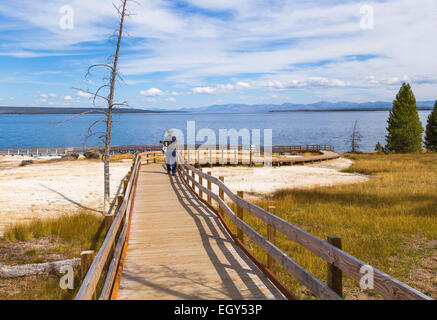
column 355, row 109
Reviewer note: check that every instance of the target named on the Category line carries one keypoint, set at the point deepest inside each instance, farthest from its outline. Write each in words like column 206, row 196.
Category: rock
column 70, row 156
column 91, row 155
column 26, row 162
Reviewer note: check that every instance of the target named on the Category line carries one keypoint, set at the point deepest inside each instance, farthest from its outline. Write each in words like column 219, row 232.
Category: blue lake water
column 28, row 131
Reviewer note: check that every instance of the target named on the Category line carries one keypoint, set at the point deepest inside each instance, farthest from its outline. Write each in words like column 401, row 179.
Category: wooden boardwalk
column 178, row 248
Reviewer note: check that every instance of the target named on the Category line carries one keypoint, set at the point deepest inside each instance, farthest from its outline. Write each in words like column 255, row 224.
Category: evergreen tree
column 431, row 130
column 379, row 147
column 404, row 126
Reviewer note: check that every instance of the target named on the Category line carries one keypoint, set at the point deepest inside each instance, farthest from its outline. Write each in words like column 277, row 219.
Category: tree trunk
column 7, row 272
column 107, row 193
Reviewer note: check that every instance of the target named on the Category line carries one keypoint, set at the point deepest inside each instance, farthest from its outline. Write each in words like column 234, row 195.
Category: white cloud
column 243, row 85
column 221, row 88
column 82, row 94
column 274, row 41
column 68, row 98
column 305, row 83
column 152, row 92
column 204, row 90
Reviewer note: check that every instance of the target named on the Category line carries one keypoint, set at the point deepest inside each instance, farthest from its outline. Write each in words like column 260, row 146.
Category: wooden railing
column 383, row 284
column 156, row 147
column 114, row 242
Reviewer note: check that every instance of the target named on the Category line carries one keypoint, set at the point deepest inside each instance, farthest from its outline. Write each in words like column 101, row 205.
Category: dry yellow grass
column 390, row 222
column 64, row 237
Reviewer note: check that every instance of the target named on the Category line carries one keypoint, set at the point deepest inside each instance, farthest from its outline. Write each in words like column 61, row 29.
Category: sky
column 194, row 53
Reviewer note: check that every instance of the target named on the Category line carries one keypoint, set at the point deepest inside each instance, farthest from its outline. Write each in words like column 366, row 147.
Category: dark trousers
column 172, row 168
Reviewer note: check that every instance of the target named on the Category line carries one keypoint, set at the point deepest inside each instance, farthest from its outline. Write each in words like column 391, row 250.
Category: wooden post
column 108, row 221
column 335, row 281
column 194, row 177
column 209, row 188
column 201, row 183
column 210, row 158
column 240, row 214
column 251, row 158
column 271, row 236
column 221, row 195
column 119, row 202
column 125, row 182
column 86, row 259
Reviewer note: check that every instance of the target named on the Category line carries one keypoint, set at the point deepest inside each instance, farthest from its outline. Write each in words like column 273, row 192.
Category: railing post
column 210, row 158
column 335, row 281
column 86, row 259
column 201, row 183
column 221, row 195
column 240, row 214
column 184, row 175
column 194, row 179
column 108, row 221
column 209, row 188
column 271, row 236
column 125, row 182
column 119, row 202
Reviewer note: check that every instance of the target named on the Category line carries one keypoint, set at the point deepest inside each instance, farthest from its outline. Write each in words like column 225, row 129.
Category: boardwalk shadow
column 214, row 235
column 70, row 200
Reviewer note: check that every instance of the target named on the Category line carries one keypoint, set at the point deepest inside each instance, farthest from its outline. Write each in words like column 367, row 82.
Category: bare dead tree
column 106, row 93
column 355, row 138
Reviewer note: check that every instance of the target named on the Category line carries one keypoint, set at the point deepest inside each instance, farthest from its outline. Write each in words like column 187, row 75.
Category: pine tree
column 431, row 130
column 379, row 147
column 404, row 126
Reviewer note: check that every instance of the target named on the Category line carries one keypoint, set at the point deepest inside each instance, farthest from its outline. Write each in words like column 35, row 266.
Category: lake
column 30, row 131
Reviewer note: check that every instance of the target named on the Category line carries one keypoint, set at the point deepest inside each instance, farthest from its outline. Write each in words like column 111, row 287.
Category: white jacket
column 170, row 151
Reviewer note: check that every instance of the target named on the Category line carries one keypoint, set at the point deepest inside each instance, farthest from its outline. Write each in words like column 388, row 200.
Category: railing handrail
column 384, row 284
column 157, row 147
column 89, row 283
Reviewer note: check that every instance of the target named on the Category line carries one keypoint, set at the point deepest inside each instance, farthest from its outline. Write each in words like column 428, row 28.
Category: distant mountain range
column 291, row 107
column 231, row 108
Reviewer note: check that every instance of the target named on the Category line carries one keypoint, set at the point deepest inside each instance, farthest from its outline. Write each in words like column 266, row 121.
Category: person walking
column 169, row 150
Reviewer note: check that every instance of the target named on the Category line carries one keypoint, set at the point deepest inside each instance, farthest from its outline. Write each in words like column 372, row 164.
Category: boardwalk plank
column 178, row 248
